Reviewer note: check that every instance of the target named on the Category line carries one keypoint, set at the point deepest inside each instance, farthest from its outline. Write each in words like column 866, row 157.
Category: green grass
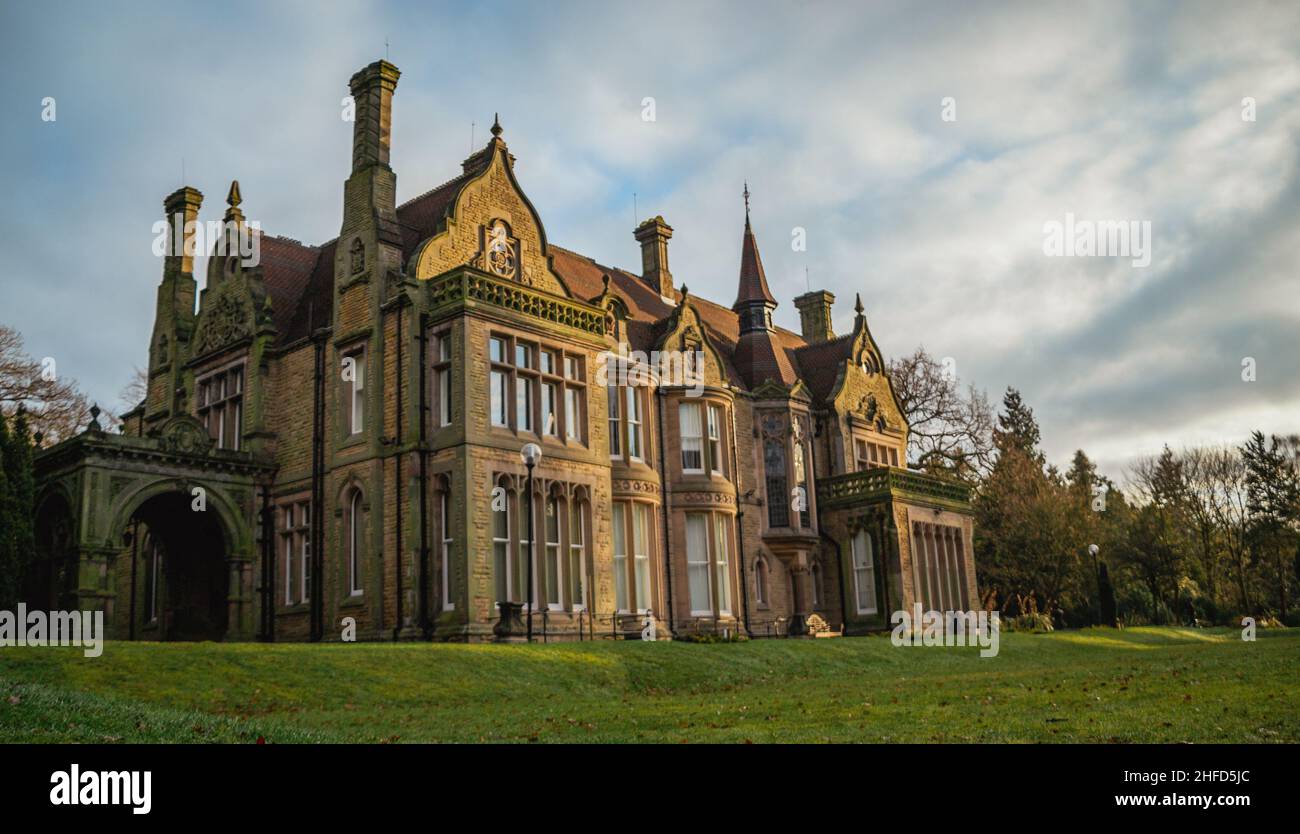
column 1136, row 685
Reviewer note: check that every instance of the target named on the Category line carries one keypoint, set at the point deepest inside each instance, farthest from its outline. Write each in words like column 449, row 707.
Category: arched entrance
column 184, row 583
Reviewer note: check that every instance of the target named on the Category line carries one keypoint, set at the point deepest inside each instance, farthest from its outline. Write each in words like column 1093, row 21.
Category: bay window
column 548, row 385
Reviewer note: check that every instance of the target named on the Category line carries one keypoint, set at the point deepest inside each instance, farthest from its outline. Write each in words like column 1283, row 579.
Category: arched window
column 502, row 565
column 554, row 562
column 760, row 581
column 578, row 555
column 355, row 534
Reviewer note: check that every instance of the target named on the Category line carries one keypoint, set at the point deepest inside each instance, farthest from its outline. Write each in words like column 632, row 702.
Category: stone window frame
column 569, row 498
column 354, row 405
column 294, row 536
column 228, row 404
column 762, row 580
column 858, row 569
column 718, row 562
column 442, row 396
column 354, row 544
column 714, row 461
column 510, row 370
column 446, row 539
column 870, row 453
column 647, row 510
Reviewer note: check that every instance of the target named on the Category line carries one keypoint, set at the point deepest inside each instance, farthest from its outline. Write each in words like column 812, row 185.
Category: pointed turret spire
column 496, row 124
column 857, row 303
column 753, row 291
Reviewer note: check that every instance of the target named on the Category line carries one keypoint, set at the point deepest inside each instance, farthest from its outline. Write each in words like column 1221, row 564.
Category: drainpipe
column 317, row 489
column 268, row 568
column 397, row 476
column 135, row 554
column 744, row 581
column 426, row 627
column 668, row 548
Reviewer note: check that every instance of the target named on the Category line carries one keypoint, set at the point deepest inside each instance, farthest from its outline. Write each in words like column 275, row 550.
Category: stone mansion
column 335, row 432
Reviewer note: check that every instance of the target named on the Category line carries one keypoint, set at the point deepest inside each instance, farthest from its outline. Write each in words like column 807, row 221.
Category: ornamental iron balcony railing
column 885, row 482
column 469, row 286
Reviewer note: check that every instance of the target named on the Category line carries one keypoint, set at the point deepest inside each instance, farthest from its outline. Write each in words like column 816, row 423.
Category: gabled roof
column 300, row 281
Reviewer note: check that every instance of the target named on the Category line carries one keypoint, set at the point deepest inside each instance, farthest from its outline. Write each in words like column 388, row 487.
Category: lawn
column 1136, row 685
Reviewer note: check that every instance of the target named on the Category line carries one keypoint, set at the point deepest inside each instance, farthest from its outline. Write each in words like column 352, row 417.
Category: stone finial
column 94, row 418
column 496, row 124
column 857, row 303
column 233, row 199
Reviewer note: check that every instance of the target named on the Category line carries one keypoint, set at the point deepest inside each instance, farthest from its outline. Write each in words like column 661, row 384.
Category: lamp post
column 531, row 454
column 1093, row 550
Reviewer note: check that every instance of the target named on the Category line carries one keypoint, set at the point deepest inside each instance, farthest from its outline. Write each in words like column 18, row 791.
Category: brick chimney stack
column 181, row 209
column 653, row 236
column 372, row 91
column 815, row 316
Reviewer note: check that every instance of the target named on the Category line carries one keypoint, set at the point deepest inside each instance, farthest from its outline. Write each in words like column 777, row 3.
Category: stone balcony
column 885, row 483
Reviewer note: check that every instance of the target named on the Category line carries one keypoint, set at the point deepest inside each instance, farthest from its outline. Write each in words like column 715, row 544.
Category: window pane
column 633, row 422
column 499, row 417
column 620, row 557
column 722, row 571
column 572, row 422
column 692, row 440
column 697, row 562
column 523, row 356
column 550, row 417
column 615, row 436
column 715, row 438
column 641, row 550
column 497, row 350
column 501, row 550
column 444, row 397
column 524, row 403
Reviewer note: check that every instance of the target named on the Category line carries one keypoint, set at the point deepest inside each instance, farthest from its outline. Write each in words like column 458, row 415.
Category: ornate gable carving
column 185, row 435
column 224, row 322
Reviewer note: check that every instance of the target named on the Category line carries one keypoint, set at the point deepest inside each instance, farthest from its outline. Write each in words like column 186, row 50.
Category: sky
column 920, row 151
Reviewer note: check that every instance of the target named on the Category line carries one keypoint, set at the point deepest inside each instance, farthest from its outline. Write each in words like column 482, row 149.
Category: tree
column 1017, row 428
column 9, row 564
column 134, row 392
column 1273, row 508
column 1031, row 534
column 949, row 432
column 55, row 407
column 22, row 498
